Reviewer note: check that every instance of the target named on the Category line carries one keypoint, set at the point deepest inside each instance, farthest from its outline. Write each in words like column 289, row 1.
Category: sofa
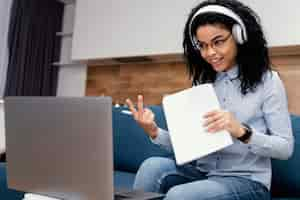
column 132, row 146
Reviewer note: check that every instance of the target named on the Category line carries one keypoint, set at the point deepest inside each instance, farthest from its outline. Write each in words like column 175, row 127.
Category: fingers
column 138, row 113
column 212, row 117
column 148, row 116
column 131, row 106
column 218, row 125
column 216, row 120
column 210, row 114
column 140, row 105
column 144, row 117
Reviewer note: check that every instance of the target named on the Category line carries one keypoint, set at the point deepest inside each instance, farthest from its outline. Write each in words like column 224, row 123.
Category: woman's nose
column 210, row 50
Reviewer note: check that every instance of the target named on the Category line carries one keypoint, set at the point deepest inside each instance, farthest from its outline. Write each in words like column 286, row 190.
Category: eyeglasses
column 216, row 44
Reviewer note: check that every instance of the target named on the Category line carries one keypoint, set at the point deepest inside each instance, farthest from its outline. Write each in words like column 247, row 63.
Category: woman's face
column 217, row 46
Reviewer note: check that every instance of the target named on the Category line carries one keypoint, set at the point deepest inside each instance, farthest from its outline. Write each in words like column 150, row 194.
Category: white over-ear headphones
column 238, row 30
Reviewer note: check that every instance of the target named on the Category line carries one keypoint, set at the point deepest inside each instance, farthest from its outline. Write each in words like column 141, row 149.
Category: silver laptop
column 62, row 147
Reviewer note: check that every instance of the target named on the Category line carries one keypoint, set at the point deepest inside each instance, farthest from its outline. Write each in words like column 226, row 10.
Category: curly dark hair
column 252, row 56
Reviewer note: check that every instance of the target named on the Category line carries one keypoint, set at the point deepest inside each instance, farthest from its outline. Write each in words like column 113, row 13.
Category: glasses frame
column 216, row 44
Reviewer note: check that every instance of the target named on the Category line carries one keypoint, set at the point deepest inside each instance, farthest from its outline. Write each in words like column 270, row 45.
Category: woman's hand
column 218, row 120
column 143, row 116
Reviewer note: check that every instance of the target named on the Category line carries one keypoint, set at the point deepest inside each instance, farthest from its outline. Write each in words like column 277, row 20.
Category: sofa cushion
column 131, row 144
column 6, row 193
column 285, row 175
column 123, row 180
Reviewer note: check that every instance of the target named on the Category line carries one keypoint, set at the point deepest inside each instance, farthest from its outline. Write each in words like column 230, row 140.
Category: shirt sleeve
column 278, row 142
column 163, row 140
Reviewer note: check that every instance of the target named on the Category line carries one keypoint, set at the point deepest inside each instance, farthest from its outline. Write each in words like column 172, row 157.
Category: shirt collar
column 231, row 73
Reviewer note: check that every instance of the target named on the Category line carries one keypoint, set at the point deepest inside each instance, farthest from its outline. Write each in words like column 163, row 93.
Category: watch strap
column 247, row 135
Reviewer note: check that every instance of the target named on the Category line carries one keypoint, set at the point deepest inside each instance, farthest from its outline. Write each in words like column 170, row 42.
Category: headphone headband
column 221, row 10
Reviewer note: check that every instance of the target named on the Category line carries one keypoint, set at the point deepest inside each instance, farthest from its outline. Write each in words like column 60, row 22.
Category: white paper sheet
column 184, row 115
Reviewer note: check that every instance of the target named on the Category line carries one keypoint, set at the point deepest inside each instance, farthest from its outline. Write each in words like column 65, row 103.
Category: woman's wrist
column 247, row 132
column 153, row 131
column 241, row 131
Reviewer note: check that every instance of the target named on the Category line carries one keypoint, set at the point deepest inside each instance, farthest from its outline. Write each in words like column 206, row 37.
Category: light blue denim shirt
column 266, row 111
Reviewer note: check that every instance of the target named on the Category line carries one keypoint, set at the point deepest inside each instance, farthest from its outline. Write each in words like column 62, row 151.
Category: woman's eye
column 200, row 45
column 219, row 42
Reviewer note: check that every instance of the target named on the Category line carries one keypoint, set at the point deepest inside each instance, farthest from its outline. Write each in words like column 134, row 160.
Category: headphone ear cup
column 195, row 43
column 237, row 33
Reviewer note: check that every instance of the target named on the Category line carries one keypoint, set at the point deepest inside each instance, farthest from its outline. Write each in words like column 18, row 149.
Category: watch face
column 247, row 135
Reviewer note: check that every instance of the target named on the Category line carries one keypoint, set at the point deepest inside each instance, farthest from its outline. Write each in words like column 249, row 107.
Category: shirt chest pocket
column 246, row 109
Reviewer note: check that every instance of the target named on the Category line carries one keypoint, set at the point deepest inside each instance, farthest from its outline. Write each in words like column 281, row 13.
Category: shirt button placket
column 218, row 161
column 224, row 99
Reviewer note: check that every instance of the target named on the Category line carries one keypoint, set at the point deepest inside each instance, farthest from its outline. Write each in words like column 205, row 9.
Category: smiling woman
column 217, row 47
column 224, row 45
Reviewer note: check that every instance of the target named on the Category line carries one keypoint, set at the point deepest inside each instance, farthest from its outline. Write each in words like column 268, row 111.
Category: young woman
column 224, row 45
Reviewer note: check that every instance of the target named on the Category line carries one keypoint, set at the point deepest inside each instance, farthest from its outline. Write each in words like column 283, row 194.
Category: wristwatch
column 247, row 135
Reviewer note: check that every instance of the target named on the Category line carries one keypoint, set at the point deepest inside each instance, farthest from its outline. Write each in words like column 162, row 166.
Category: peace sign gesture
column 143, row 116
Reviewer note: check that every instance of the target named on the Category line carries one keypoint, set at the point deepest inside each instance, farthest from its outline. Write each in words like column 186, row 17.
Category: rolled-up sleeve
column 163, row 140
column 278, row 141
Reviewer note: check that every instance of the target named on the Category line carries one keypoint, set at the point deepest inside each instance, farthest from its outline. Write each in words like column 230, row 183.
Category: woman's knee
column 157, row 164
column 175, row 193
column 150, row 172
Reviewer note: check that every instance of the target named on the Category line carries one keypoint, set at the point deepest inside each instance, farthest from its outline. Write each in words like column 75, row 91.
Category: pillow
column 285, row 173
column 131, row 144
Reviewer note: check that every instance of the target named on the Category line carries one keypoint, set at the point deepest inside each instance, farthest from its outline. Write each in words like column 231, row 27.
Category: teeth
column 216, row 61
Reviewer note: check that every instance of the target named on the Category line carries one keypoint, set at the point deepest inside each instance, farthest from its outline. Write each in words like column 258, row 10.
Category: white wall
column 4, row 24
column 280, row 20
column 71, row 78
column 119, row 28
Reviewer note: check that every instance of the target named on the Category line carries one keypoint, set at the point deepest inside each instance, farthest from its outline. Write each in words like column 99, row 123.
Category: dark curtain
column 33, row 47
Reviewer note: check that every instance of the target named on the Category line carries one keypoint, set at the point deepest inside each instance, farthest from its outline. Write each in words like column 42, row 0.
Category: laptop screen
column 60, row 146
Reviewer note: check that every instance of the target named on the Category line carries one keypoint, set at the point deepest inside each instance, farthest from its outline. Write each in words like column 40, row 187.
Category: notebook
column 184, row 111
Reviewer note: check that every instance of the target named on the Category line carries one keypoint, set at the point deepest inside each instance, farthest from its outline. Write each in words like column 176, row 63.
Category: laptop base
column 120, row 194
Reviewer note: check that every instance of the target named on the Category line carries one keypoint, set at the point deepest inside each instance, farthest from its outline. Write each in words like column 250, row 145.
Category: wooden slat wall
column 127, row 81
column 155, row 80
column 286, row 61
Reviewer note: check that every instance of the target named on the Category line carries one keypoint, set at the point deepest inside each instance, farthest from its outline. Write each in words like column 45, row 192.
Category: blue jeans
column 158, row 174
